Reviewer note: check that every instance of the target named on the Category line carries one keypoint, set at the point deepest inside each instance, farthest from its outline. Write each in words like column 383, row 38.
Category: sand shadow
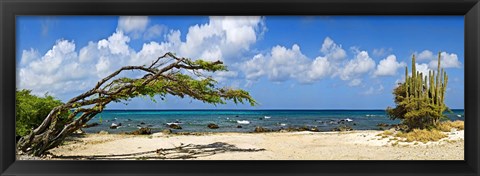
column 181, row 152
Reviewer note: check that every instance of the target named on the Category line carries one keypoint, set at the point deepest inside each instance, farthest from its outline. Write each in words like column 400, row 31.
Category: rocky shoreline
column 341, row 125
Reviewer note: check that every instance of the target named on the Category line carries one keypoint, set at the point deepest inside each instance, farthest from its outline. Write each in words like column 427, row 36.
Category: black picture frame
column 470, row 9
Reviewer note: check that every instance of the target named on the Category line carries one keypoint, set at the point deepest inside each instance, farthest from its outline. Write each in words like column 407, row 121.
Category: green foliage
column 207, row 66
column 420, row 99
column 31, row 110
column 181, row 85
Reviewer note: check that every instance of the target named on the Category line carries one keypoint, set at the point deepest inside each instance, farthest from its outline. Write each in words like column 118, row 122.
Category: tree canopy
column 167, row 75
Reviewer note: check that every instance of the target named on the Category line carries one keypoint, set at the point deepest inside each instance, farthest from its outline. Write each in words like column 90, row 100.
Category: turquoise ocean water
column 229, row 120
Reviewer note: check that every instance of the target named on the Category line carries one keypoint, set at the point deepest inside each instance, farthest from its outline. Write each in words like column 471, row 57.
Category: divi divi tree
column 167, row 75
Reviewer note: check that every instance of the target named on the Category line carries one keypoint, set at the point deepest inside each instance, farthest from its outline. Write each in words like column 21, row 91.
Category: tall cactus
column 407, row 89
column 424, row 95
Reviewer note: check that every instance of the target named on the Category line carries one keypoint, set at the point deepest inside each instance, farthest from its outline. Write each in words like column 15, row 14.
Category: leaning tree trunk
column 162, row 77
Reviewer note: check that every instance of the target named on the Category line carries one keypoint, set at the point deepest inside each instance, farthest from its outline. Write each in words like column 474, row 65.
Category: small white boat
column 267, row 117
column 243, row 122
column 282, row 124
column 348, row 120
column 459, row 115
column 174, row 123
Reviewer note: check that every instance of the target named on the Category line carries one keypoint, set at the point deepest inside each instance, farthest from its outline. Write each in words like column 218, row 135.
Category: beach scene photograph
column 240, row 88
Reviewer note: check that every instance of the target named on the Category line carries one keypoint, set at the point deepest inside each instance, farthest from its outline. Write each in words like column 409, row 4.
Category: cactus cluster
column 429, row 87
column 420, row 99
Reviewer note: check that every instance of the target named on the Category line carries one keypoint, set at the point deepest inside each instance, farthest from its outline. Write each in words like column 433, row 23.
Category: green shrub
column 31, row 110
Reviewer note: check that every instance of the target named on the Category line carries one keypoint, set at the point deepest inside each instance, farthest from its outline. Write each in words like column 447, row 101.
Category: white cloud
column 448, row 60
column 254, row 68
column 380, row 52
column 331, row 50
column 88, row 53
column 29, row 55
column 425, row 55
column 154, row 32
column 227, row 74
column 371, row 90
column 63, row 50
column 103, row 65
column 319, row 69
column 111, row 53
column 389, row 66
column 152, row 50
column 116, row 43
column 355, row 82
column 279, row 65
column 422, row 68
column 63, row 70
column 222, row 76
column 46, row 23
column 283, row 63
column 57, row 71
column 174, row 38
column 133, row 25
column 362, row 63
column 238, row 31
column 107, row 55
column 222, row 38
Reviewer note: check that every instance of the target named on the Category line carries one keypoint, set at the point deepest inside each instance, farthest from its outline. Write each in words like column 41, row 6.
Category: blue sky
column 285, row 62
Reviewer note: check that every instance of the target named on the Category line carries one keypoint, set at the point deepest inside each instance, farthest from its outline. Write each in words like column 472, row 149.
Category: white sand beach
column 354, row 145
